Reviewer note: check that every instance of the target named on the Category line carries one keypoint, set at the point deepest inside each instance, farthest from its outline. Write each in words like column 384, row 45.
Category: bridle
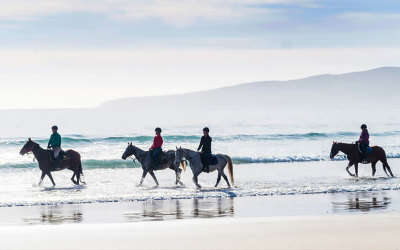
column 30, row 151
column 134, row 159
column 186, row 155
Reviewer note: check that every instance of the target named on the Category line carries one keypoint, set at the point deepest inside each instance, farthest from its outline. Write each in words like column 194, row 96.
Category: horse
column 353, row 155
column 46, row 163
column 197, row 166
column 144, row 157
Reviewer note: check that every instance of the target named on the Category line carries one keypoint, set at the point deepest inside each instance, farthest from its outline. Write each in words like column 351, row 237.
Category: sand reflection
column 55, row 215
column 362, row 202
column 183, row 209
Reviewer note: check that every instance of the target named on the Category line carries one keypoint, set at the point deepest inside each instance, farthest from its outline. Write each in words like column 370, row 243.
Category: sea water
column 268, row 158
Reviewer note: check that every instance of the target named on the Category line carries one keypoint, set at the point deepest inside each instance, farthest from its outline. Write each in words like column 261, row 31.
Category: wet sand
column 367, row 220
column 184, row 209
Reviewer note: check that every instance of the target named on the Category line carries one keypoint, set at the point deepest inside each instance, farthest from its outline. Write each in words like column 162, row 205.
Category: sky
column 80, row 53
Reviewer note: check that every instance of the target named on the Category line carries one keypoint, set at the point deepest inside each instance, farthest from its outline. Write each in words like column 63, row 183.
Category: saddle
column 369, row 150
column 211, row 160
column 165, row 156
column 62, row 156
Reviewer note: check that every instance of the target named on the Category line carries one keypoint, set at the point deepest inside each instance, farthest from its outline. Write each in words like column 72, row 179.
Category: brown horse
column 72, row 162
column 354, row 157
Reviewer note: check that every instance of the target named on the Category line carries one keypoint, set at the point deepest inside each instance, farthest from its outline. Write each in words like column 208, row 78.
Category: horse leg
column 143, row 176
column 178, row 172
column 51, row 178
column 348, row 167
column 195, row 180
column 73, row 180
column 154, row 177
column 42, row 177
column 218, row 178
column 78, row 178
column 356, row 168
column 386, row 165
column 373, row 164
column 226, row 179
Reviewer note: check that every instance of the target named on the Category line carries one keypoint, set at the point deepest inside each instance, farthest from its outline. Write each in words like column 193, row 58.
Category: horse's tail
column 183, row 165
column 230, row 169
column 80, row 167
column 383, row 159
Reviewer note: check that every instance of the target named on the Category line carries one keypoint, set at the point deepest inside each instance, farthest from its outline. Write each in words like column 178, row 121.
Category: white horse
column 197, row 166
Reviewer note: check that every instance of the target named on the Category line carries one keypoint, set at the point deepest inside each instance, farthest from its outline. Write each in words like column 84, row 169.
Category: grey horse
column 144, row 158
column 197, row 166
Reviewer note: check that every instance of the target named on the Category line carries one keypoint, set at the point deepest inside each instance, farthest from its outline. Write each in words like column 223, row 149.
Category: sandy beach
column 360, row 231
column 360, row 220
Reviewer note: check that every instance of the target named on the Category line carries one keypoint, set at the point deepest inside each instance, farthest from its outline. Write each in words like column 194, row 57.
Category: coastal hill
column 379, row 86
column 368, row 96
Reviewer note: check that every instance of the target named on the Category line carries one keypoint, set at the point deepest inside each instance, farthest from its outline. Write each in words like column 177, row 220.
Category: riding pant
column 155, row 156
column 56, row 151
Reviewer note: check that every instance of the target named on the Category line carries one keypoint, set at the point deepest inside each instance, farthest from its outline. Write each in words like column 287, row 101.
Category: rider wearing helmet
column 364, row 142
column 156, row 149
column 205, row 146
column 55, row 144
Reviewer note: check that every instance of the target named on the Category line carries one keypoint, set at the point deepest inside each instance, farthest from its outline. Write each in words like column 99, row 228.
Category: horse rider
column 155, row 149
column 364, row 143
column 205, row 146
column 55, row 144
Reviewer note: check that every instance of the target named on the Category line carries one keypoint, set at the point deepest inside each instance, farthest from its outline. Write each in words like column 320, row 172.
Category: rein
column 30, row 151
column 187, row 157
column 134, row 160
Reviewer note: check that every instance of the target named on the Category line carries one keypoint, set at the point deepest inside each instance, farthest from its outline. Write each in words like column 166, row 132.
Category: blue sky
column 125, row 48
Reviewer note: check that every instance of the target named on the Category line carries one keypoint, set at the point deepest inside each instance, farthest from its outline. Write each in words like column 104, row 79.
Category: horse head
column 28, row 147
column 178, row 155
column 334, row 149
column 128, row 151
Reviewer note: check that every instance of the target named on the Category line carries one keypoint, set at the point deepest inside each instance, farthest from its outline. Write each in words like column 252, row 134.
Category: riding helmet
column 158, row 130
column 206, row 129
column 54, row 127
column 363, row 126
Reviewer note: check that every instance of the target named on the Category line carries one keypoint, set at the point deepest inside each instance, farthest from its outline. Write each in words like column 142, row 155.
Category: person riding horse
column 55, row 145
column 156, row 148
column 364, row 142
column 205, row 146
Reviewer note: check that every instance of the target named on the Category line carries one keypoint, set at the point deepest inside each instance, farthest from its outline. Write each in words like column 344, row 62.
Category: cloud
column 92, row 76
column 170, row 11
column 367, row 17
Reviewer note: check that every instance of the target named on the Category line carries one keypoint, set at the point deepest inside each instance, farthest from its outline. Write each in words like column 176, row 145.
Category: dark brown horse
column 354, row 157
column 72, row 162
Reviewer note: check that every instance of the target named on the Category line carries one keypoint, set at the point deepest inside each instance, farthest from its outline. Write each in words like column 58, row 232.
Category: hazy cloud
column 170, row 11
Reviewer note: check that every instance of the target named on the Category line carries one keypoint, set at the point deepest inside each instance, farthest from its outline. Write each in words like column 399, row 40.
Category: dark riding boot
column 206, row 168
column 57, row 164
column 364, row 149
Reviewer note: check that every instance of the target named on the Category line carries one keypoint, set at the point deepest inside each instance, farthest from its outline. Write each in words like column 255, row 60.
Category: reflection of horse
column 144, row 157
column 46, row 164
column 197, row 166
column 353, row 155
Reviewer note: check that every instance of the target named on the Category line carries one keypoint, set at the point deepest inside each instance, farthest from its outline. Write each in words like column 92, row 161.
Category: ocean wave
column 247, row 190
column 119, row 163
column 81, row 139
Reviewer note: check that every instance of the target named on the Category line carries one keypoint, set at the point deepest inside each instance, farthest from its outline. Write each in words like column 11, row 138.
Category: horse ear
column 29, row 139
column 176, row 147
column 180, row 147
